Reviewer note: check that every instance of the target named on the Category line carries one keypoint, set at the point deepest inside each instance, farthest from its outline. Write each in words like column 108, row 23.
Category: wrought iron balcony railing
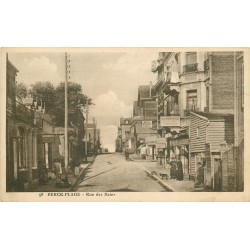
column 190, row 68
column 190, row 108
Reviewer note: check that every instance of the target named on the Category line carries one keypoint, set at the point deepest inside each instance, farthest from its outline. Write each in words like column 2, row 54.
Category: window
column 192, row 100
column 198, row 132
column 191, row 62
column 191, row 58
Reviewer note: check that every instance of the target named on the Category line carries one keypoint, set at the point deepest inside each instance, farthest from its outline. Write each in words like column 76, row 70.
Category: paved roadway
column 112, row 173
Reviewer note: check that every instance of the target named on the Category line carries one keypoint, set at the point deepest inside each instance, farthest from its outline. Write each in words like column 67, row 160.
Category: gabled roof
column 141, row 130
column 12, row 66
column 213, row 116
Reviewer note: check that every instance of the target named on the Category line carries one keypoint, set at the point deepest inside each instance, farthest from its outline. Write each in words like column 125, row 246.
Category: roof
column 12, row 66
column 214, row 116
column 144, row 91
column 142, row 130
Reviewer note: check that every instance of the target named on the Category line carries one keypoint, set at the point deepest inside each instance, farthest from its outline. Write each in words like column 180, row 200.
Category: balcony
column 190, row 68
column 190, row 108
column 206, row 65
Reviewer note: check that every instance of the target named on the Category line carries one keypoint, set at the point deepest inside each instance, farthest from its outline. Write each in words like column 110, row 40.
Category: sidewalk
column 160, row 173
column 50, row 185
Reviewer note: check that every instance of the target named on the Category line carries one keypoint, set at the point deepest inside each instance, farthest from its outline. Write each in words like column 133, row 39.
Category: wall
column 125, row 128
column 239, row 101
column 216, row 134
column 201, row 100
column 150, row 109
column 222, row 73
column 197, row 144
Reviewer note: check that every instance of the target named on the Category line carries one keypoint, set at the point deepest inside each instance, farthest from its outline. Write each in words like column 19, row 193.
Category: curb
column 72, row 188
column 168, row 187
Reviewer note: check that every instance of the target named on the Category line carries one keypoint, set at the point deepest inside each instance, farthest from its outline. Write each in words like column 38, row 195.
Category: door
column 217, row 175
column 50, row 154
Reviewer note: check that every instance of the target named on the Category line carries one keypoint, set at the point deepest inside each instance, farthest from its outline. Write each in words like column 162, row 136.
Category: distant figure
column 58, row 169
column 179, row 170
column 173, row 168
column 77, row 169
column 161, row 165
column 200, row 174
column 127, row 155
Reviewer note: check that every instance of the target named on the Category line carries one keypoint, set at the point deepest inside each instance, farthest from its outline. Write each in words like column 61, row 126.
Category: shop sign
column 161, row 145
column 48, row 139
column 150, row 139
column 146, row 124
column 170, row 121
column 180, row 142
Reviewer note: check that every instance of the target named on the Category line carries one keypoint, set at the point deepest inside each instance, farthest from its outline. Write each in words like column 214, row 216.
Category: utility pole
column 86, row 133
column 66, row 153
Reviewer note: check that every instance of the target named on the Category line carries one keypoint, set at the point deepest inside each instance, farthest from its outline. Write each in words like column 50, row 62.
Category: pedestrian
column 126, row 154
column 58, row 169
column 200, row 174
column 179, row 171
column 77, row 169
column 173, row 168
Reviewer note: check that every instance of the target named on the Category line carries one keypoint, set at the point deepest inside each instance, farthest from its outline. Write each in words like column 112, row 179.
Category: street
column 112, row 173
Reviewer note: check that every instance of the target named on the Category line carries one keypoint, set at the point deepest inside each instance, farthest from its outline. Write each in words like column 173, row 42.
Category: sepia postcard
column 124, row 124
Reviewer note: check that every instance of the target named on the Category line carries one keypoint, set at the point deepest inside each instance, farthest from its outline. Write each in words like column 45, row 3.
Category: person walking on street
column 126, row 154
column 179, row 171
column 58, row 169
column 173, row 168
column 200, row 174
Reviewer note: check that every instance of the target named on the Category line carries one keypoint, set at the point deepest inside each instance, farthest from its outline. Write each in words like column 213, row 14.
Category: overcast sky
column 111, row 79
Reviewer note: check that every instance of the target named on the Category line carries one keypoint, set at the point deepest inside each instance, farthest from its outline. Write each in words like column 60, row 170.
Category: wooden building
column 209, row 133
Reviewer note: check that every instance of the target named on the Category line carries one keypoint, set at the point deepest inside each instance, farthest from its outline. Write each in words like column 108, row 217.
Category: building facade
column 21, row 138
column 208, row 82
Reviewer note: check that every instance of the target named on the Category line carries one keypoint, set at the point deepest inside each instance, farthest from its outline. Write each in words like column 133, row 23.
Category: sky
column 111, row 79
